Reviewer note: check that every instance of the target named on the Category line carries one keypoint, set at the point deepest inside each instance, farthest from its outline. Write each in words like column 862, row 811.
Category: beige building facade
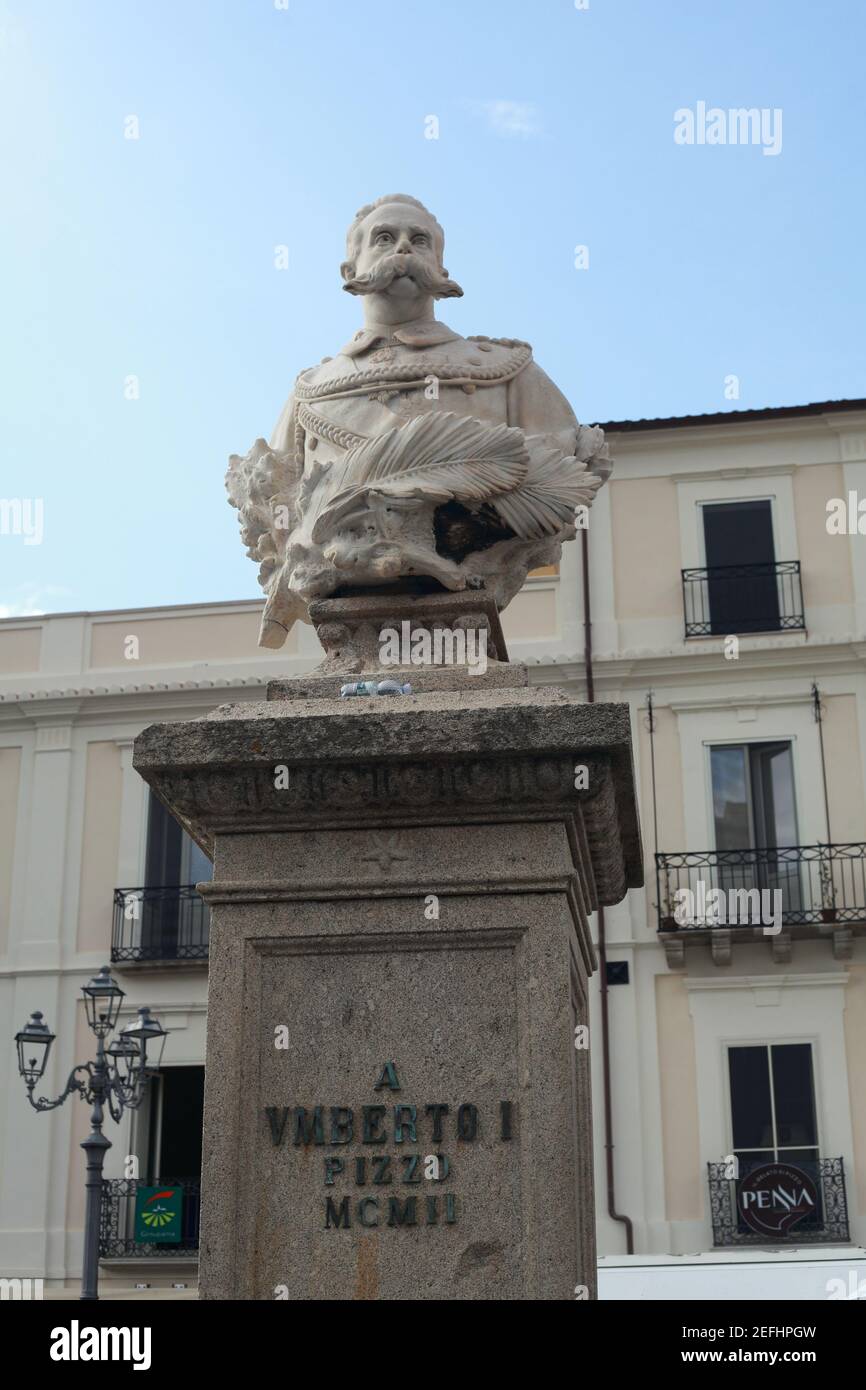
column 730, row 615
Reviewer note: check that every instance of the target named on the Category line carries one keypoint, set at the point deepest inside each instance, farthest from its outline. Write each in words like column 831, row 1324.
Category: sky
column 157, row 155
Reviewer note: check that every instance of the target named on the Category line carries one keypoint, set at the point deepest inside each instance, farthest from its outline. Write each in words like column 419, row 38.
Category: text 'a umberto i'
column 337, row 1126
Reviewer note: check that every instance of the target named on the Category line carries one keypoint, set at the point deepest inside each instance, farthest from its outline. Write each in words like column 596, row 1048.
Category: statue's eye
column 383, row 238
column 419, row 241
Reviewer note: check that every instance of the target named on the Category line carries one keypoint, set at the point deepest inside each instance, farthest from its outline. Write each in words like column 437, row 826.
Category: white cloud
column 510, row 117
column 30, row 600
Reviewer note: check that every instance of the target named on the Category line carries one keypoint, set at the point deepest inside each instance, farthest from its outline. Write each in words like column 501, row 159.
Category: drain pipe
column 602, row 947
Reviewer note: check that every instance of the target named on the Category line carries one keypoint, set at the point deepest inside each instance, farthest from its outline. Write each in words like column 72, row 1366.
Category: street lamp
column 102, row 999
column 118, row 1078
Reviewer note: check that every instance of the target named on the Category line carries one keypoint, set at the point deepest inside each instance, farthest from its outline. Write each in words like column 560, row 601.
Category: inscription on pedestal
column 342, row 1126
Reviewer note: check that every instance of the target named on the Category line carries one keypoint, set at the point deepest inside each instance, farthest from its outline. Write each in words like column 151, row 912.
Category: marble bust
column 414, row 455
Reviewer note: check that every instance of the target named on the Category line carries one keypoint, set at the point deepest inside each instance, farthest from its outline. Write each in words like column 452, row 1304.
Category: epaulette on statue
column 500, row 342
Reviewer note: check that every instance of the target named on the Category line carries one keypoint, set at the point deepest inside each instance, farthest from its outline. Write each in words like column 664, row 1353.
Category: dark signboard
column 775, row 1197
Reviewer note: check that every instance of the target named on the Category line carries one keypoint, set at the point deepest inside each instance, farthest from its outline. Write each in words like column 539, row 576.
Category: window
column 742, row 591
column 174, row 1128
column 753, row 795
column 169, row 1145
column 773, row 1114
column 754, row 816
column 173, row 859
column 175, row 920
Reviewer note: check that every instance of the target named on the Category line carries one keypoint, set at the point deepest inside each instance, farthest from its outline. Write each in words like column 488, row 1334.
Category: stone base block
column 395, row 1104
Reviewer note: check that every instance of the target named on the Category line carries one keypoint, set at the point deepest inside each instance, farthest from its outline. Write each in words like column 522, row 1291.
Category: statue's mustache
column 426, row 277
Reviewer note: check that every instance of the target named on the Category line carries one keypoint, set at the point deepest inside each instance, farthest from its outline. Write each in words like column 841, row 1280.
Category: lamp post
column 118, row 1078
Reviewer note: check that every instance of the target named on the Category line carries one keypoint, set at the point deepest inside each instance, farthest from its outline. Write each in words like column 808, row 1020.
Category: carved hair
column 353, row 236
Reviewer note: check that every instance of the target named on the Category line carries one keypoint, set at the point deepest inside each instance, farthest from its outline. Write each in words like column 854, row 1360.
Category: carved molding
column 245, row 800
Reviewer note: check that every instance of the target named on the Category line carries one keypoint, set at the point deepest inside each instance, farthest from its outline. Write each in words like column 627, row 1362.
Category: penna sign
column 775, row 1197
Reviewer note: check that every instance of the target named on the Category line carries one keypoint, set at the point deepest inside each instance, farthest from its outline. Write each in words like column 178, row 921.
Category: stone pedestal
column 395, row 1107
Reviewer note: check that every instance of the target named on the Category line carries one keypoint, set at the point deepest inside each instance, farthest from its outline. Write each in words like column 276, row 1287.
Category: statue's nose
column 404, row 247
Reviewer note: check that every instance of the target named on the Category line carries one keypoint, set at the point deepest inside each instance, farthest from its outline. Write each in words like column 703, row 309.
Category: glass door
column 775, row 818
column 755, row 819
column 740, row 554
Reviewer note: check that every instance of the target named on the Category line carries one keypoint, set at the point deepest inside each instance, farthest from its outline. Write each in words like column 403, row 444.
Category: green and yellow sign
column 157, row 1215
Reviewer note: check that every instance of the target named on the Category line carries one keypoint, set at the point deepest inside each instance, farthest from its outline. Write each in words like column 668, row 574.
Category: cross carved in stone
column 386, row 852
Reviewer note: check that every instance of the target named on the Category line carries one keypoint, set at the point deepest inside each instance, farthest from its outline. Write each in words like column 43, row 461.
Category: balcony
column 117, row 1222
column 826, row 1221
column 739, row 599
column 159, row 924
column 719, row 896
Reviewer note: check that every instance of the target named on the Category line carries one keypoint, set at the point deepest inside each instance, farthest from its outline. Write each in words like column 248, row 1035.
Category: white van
column 816, row 1272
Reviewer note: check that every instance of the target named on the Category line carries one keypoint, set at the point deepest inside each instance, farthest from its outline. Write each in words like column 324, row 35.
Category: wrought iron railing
column 160, row 924
column 117, row 1220
column 818, row 885
column 828, row 1225
column 738, row 599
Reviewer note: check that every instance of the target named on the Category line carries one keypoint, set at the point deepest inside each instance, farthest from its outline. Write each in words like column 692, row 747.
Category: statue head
column 395, row 247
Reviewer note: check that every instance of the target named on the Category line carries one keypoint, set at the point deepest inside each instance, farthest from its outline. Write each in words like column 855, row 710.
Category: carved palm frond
column 545, row 500
column 435, row 457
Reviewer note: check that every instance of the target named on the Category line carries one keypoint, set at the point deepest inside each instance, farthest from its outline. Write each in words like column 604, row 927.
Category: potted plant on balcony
column 828, row 891
column 667, row 920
